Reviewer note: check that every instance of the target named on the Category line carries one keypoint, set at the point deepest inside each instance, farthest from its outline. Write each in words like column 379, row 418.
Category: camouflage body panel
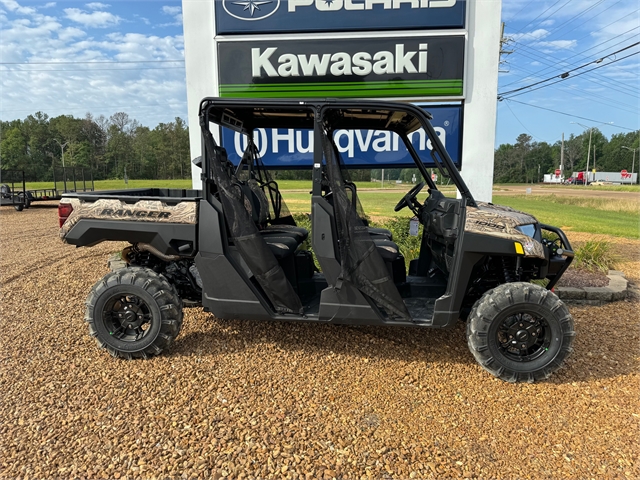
column 141, row 211
column 500, row 221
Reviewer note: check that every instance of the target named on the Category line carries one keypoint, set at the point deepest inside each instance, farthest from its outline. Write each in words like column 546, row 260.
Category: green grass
column 113, row 184
column 574, row 217
column 379, row 205
column 608, row 188
column 584, row 214
column 594, row 256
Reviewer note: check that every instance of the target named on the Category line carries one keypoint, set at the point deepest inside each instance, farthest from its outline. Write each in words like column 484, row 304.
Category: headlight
column 529, row 230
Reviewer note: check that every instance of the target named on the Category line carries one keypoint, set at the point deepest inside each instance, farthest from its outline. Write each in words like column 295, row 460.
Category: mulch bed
column 581, row 278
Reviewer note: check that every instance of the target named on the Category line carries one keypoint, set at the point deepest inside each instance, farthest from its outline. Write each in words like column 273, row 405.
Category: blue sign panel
column 280, row 16
column 290, row 149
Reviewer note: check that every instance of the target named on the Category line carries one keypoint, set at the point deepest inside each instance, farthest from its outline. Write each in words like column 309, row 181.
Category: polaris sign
column 298, row 16
column 360, row 67
column 290, row 149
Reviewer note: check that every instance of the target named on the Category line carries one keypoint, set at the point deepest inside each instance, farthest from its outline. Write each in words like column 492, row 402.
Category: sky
column 74, row 57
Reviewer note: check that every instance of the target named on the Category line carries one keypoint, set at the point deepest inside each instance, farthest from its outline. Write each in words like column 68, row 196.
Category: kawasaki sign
column 425, row 66
column 271, row 16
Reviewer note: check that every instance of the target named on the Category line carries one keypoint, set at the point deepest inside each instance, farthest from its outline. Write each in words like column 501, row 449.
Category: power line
column 566, row 74
column 523, row 126
column 594, row 77
column 87, row 62
column 521, row 10
column 545, row 11
column 565, row 61
column 16, row 70
column 558, row 29
column 568, row 114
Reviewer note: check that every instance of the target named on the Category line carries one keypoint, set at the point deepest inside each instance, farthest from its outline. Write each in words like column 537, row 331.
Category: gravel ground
column 581, row 278
column 257, row 399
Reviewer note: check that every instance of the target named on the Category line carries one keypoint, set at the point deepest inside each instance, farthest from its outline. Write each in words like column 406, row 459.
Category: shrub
column 594, row 256
column 409, row 245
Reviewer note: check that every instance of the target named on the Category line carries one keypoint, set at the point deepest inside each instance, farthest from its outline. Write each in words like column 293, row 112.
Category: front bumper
column 558, row 263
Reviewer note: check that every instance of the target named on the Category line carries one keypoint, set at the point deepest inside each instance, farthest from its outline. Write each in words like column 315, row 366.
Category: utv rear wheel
column 133, row 313
column 520, row 332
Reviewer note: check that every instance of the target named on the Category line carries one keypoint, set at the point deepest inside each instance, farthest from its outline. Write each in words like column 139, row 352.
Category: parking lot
column 258, row 399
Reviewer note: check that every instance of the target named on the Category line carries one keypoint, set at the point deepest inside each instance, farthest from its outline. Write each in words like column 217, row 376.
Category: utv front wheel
column 134, row 312
column 520, row 332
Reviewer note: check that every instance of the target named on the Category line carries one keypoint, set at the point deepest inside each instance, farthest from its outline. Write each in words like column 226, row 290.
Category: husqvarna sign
column 362, row 67
column 280, row 16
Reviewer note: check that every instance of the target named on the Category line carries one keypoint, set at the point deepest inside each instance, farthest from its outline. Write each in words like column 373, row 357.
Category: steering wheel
column 409, row 199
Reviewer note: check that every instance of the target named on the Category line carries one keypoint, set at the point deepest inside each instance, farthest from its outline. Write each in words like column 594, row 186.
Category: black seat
column 380, row 233
column 387, row 249
column 281, row 246
column 258, row 204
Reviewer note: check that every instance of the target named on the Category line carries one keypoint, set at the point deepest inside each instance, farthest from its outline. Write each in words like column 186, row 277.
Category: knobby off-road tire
column 520, row 332
column 134, row 313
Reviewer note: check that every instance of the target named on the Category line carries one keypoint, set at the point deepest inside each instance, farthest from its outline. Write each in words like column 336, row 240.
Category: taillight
column 64, row 210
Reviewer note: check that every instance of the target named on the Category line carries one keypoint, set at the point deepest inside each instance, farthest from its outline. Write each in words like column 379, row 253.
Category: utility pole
column 633, row 163
column 504, row 41
column 64, row 173
column 562, row 158
column 589, row 149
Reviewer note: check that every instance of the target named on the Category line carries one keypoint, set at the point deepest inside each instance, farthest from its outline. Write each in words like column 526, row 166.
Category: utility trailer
column 12, row 190
column 235, row 249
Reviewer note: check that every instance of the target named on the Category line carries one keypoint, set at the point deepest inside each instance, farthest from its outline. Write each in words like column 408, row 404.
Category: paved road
column 577, row 191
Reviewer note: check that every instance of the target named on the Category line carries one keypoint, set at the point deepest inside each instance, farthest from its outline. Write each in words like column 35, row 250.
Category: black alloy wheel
column 134, row 312
column 520, row 332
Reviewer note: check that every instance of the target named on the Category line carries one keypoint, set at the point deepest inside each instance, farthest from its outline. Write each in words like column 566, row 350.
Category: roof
column 244, row 115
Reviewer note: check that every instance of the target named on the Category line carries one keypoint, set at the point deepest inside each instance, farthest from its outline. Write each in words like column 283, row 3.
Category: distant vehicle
column 18, row 200
column 599, row 183
column 577, row 180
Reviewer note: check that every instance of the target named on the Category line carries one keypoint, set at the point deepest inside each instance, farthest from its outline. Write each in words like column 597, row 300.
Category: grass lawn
column 606, row 188
column 569, row 217
column 583, row 214
column 114, row 184
column 575, row 217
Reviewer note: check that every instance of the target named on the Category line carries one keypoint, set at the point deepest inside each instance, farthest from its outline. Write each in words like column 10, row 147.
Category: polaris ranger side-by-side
column 234, row 248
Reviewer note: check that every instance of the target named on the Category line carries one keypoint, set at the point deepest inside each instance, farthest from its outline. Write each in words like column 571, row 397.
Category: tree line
column 110, row 147
column 527, row 161
column 119, row 145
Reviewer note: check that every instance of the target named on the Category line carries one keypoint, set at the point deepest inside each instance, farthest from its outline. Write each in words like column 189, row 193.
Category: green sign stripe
column 343, row 93
column 427, row 89
column 343, row 86
column 355, row 84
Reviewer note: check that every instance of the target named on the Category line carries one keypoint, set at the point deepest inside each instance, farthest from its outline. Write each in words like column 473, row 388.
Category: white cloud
column 14, row 6
column 48, row 5
column 97, row 6
column 171, row 10
column 175, row 12
column 531, row 36
column 96, row 19
column 556, row 44
column 149, row 92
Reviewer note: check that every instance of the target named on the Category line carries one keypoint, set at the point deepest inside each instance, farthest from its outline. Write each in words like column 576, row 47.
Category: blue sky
column 128, row 56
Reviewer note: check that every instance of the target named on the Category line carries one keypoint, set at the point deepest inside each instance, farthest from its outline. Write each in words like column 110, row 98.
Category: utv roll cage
column 243, row 116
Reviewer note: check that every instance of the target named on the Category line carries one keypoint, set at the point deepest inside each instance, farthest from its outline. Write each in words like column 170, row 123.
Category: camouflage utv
column 234, row 249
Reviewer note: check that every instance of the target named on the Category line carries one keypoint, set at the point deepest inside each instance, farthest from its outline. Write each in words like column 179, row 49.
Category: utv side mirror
column 197, row 161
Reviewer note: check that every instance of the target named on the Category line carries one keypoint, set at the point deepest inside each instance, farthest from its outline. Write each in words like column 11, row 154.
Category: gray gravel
column 247, row 399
